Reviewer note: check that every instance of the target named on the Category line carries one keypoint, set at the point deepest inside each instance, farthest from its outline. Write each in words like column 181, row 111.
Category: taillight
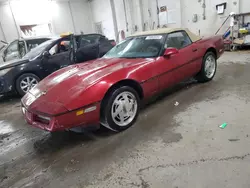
column 113, row 43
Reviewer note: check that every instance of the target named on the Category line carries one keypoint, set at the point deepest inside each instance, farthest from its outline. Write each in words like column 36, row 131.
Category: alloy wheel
column 210, row 66
column 28, row 83
column 124, row 108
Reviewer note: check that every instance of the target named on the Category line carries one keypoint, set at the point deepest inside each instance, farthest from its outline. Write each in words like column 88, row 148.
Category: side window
column 11, row 52
column 88, row 39
column 62, row 46
column 13, row 48
column 177, row 40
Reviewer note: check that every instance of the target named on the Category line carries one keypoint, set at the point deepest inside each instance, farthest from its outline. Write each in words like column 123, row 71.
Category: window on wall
column 177, row 40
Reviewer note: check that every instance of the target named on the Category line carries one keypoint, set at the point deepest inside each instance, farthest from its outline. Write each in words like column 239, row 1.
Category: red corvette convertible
column 108, row 91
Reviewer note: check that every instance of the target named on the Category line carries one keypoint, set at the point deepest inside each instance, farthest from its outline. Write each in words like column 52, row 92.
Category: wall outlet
column 195, row 18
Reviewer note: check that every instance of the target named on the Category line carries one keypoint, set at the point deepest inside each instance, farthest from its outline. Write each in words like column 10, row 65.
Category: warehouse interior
column 93, row 93
column 113, row 16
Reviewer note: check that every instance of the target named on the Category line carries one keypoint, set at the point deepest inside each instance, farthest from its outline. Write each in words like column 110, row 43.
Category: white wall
column 244, row 6
column 175, row 8
column 61, row 18
column 1, row 35
column 28, row 12
column 7, row 22
column 120, row 15
column 82, row 16
column 213, row 21
column 57, row 12
column 143, row 15
column 137, row 15
column 74, row 16
column 101, row 12
column 140, row 13
column 183, row 11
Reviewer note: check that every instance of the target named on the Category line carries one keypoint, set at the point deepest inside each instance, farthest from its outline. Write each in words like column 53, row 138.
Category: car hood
column 12, row 63
column 66, row 84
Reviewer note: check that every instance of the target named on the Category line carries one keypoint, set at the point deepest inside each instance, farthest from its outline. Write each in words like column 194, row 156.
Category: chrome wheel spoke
column 121, row 115
column 117, row 111
column 24, row 87
column 28, row 79
column 24, row 83
column 33, row 81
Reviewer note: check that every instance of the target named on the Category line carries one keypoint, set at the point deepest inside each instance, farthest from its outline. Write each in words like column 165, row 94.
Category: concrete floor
column 170, row 146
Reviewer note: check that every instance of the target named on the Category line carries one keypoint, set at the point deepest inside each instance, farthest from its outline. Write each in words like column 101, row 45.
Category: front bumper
column 64, row 121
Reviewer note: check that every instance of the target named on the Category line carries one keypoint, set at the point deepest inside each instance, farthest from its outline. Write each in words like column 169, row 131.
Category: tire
column 204, row 76
column 115, row 102
column 24, row 78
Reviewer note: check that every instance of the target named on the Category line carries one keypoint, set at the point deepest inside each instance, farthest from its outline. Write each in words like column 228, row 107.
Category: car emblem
column 43, row 93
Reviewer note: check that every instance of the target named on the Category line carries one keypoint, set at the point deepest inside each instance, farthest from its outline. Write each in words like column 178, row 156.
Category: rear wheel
column 208, row 69
column 26, row 82
column 121, row 108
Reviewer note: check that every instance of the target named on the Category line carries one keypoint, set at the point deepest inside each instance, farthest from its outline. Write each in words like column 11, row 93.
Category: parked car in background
column 18, row 48
column 22, row 75
column 109, row 90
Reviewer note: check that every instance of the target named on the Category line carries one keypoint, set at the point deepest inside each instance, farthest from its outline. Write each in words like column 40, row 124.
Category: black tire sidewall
column 110, row 99
column 202, row 77
column 20, row 78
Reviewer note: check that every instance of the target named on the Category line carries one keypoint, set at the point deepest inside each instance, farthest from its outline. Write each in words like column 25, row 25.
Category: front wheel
column 208, row 69
column 121, row 109
column 26, row 82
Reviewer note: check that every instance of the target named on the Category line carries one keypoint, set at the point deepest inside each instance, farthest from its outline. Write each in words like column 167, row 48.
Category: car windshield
column 137, row 47
column 38, row 50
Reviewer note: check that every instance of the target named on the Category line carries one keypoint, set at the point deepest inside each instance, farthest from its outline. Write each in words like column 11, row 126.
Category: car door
column 175, row 68
column 58, row 56
column 11, row 52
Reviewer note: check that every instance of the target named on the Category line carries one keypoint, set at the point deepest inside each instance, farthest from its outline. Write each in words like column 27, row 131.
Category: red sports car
column 108, row 91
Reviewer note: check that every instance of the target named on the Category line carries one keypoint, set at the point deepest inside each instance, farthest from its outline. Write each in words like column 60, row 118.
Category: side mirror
column 170, row 51
column 46, row 54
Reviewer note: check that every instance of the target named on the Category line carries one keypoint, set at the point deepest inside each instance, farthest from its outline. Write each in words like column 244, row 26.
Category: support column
column 71, row 14
column 1, row 29
column 141, row 14
column 17, row 27
column 112, row 4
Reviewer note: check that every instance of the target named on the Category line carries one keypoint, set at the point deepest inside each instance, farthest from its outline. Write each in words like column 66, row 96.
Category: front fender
column 96, row 92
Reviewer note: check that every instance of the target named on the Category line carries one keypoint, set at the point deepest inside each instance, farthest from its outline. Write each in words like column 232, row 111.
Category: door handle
column 195, row 50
